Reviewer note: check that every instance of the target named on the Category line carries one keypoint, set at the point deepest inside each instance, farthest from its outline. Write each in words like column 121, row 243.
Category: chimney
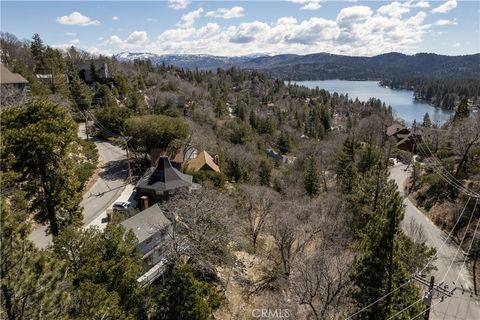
column 216, row 160
column 144, row 202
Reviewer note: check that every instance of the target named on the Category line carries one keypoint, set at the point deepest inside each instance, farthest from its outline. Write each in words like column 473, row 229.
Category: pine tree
column 346, row 165
column 220, row 108
column 462, row 111
column 80, row 93
column 40, row 135
column 284, row 142
column 378, row 268
column 312, row 177
column 103, row 268
column 37, row 48
column 33, row 283
column 265, row 172
column 186, row 298
column 427, row 123
column 253, row 120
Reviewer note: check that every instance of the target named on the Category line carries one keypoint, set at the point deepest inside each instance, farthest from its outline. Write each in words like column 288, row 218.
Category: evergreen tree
column 284, row 142
column 79, row 92
column 370, row 156
column 265, row 172
column 253, row 119
column 104, row 97
column 241, row 110
column 103, row 268
column 186, row 298
column 220, row 108
column 55, row 66
column 346, row 165
column 37, row 48
column 40, row 136
column 311, row 177
column 462, row 111
column 378, row 269
column 33, row 283
column 427, row 123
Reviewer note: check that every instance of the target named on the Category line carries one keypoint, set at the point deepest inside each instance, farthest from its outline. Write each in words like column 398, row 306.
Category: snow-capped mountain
column 188, row 61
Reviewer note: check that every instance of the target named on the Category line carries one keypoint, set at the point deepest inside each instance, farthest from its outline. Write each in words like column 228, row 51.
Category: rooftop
column 7, row 77
column 164, row 177
column 147, row 222
column 201, row 160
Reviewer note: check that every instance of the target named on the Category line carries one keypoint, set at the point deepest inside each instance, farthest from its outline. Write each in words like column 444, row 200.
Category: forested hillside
column 386, row 66
column 445, row 93
column 314, row 230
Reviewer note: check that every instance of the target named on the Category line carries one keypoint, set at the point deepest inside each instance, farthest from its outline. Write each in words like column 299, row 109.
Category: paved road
column 460, row 306
column 106, row 189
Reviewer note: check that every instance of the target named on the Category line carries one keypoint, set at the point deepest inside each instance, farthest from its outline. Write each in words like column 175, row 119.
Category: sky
column 233, row 28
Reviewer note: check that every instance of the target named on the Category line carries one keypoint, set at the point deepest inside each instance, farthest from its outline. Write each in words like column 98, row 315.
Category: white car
column 122, row 205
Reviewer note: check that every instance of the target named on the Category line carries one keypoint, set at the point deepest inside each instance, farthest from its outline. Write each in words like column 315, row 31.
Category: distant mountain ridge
column 322, row 66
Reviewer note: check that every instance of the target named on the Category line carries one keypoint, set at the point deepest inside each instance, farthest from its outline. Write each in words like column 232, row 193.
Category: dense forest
column 318, row 236
column 445, row 93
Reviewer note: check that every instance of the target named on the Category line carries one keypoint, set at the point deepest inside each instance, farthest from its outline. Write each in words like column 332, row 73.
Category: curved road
column 459, row 306
column 107, row 188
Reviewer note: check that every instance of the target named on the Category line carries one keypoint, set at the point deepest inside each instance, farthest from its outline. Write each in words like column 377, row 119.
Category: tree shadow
column 115, row 170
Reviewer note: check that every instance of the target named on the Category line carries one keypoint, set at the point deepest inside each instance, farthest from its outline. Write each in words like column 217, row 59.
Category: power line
column 438, row 168
column 460, row 245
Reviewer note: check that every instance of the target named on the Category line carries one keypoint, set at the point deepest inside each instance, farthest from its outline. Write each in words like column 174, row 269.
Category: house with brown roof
column 405, row 137
column 13, row 87
column 204, row 162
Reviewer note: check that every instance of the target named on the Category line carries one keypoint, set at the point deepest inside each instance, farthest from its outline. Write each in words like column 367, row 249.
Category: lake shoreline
column 403, row 101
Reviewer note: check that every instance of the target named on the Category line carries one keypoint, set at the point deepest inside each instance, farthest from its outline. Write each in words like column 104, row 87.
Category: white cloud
column 70, row 34
column 357, row 30
column 287, row 20
column 456, row 45
column 75, row 41
column 188, row 19
column 178, row 4
column 135, row 39
column 422, row 4
column 444, row 22
column 311, row 6
column 350, row 15
column 394, row 9
column 235, row 12
column 308, row 4
column 114, row 18
column 76, row 18
column 446, row 7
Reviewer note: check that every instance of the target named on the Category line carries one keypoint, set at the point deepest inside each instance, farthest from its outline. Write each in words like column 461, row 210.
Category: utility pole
column 428, row 301
column 432, row 288
column 86, row 123
column 129, row 179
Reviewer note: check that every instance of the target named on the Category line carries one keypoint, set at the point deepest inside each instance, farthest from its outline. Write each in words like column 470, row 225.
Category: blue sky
column 249, row 27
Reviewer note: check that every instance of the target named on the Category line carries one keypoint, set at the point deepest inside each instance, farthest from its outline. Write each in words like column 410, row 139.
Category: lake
column 403, row 104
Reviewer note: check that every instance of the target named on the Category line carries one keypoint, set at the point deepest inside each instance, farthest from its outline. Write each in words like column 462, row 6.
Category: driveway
column 459, row 306
column 108, row 187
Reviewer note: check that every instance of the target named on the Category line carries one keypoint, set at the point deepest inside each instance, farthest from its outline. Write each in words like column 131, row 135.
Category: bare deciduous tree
column 199, row 226
column 293, row 227
column 255, row 206
column 320, row 280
